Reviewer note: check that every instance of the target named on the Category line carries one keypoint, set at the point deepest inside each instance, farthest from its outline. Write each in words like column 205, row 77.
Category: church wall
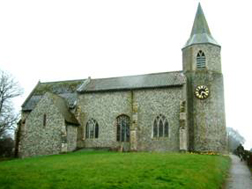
column 206, row 117
column 212, row 53
column 71, row 138
column 38, row 139
column 104, row 107
column 25, row 114
column 152, row 103
column 209, row 114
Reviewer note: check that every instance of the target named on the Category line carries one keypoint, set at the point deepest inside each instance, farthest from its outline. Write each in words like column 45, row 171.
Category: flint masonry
column 169, row 111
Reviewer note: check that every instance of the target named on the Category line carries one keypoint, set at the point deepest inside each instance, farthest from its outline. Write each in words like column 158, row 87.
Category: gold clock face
column 201, row 92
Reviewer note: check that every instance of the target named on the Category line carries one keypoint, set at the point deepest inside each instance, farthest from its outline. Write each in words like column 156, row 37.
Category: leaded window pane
column 155, row 129
column 123, row 128
column 87, row 131
column 166, row 129
column 118, row 132
column 92, row 129
column 160, row 127
column 96, row 130
column 123, row 131
column 127, row 134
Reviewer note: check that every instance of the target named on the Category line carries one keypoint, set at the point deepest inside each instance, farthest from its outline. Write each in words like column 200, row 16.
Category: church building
column 169, row 111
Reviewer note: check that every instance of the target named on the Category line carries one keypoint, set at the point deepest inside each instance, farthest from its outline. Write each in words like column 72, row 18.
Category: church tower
column 205, row 93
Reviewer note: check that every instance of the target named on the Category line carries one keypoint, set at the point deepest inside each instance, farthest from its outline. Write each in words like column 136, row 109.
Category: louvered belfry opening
column 201, row 60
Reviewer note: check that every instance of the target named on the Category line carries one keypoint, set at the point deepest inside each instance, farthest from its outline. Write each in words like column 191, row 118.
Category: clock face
column 202, row 92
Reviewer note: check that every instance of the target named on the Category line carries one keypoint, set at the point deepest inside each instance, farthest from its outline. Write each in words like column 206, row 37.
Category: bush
column 249, row 158
column 6, row 147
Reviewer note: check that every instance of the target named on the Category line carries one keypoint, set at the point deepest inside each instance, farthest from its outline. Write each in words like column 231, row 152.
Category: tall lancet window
column 201, row 60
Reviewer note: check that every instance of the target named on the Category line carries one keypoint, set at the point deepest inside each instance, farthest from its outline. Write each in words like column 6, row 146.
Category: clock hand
column 203, row 92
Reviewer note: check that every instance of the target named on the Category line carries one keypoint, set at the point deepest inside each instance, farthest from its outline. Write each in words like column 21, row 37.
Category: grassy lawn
column 111, row 170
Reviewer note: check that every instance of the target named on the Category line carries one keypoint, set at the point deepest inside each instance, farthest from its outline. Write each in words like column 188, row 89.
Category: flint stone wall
column 42, row 140
column 71, row 138
column 209, row 114
column 207, row 127
column 151, row 104
column 105, row 107
column 212, row 54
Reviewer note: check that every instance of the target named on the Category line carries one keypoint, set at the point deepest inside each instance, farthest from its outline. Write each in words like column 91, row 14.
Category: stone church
column 169, row 111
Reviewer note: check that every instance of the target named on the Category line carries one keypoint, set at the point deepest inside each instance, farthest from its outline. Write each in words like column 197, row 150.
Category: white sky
column 54, row 40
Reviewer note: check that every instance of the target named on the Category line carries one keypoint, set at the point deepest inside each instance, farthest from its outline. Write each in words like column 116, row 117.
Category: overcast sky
column 53, row 40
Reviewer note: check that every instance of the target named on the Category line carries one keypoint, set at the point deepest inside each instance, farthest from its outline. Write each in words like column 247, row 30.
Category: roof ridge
column 157, row 73
column 51, row 82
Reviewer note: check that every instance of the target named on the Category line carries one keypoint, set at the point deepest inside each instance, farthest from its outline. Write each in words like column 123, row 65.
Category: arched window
column 201, row 59
column 92, row 129
column 160, row 127
column 123, row 128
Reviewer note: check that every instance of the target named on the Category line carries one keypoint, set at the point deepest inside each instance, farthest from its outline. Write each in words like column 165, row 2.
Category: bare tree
column 9, row 89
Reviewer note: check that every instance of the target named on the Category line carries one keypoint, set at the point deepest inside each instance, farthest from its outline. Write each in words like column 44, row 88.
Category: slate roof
column 200, row 31
column 68, row 89
column 157, row 80
column 65, row 89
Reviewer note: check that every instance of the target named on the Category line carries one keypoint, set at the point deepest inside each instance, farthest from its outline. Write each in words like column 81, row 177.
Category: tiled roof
column 157, row 80
column 68, row 89
column 65, row 89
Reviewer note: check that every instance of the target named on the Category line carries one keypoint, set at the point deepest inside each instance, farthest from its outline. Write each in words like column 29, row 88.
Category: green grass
column 111, row 170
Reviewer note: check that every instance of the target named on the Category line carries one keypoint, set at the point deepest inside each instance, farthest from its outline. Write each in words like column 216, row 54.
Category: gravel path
column 240, row 176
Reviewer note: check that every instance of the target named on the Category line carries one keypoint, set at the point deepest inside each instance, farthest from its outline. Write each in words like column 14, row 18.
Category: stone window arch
column 201, row 60
column 92, row 129
column 123, row 128
column 160, row 127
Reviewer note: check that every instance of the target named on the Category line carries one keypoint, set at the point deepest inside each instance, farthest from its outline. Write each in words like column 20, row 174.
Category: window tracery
column 123, row 128
column 160, row 127
column 92, row 129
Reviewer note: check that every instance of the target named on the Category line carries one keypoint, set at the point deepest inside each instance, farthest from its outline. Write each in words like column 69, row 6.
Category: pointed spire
column 200, row 24
column 200, row 31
